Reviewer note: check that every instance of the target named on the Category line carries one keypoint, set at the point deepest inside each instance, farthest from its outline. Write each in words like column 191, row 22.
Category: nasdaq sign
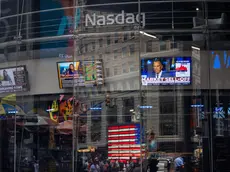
column 118, row 19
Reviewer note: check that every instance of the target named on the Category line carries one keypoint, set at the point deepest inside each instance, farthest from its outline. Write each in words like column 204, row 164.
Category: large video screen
column 14, row 79
column 80, row 73
column 166, row 71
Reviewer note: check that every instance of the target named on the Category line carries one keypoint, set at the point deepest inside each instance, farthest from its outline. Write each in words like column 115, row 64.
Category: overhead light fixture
column 146, row 34
column 145, row 107
column 50, row 110
column 96, row 108
column 13, row 111
column 196, row 48
column 197, row 106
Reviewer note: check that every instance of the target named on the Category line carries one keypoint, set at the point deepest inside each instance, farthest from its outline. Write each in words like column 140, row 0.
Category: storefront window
column 125, row 82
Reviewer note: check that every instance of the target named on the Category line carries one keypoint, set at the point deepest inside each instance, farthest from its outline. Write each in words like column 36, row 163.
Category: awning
column 66, row 127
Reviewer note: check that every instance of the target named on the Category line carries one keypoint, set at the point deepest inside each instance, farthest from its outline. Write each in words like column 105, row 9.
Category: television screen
column 80, row 73
column 13, row 79
column 166, row 71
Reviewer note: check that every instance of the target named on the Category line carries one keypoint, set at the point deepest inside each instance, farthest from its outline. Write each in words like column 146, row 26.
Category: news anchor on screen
column 158, row 70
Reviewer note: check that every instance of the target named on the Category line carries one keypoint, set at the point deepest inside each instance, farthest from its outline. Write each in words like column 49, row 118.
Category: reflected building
column 121, row 54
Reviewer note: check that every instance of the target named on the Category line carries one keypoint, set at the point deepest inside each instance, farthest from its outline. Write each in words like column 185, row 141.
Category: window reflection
column 111, row 114
column 185, row 120
column 95, row 109
column 128, row 104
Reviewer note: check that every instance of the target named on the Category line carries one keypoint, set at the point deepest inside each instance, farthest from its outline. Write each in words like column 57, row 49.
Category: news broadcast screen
column 80, row 73
column 166, row 71
column 124, row 142
column 13, row 79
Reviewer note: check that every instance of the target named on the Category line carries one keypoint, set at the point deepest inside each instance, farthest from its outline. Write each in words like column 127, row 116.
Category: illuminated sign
column 110, row 19
column 124, row 141
column 63, row 109
column 145, row 107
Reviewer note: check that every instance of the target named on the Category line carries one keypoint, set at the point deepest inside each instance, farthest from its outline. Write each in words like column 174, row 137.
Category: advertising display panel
column 13, row 79
column 80, row 73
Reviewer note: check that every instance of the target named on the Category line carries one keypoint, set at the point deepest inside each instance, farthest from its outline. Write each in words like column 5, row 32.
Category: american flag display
column 124, row 141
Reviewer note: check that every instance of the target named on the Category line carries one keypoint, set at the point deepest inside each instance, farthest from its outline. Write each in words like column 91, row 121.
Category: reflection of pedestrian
column 152, row 146
column 152, row 149
column 36, row 166
column 6, row 77
column 95, row 166
column 179, row 164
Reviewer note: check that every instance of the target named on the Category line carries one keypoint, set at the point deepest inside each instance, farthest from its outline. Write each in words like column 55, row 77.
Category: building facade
column 54, row 117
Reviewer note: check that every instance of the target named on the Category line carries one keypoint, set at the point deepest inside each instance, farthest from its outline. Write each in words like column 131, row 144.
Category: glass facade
column 114, row 85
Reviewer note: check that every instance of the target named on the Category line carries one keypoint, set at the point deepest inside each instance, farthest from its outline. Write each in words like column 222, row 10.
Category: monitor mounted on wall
column 84, row 73
column 166, row 71
column 14, row 79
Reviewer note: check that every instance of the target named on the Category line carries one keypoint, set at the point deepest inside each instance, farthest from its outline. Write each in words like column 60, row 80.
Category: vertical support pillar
column 180, row 116
column 153, row 120
column 89, row 123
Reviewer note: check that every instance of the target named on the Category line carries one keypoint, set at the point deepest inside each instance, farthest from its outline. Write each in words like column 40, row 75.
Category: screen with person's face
column 166, row 71
column 157, row 67
column 13, row 79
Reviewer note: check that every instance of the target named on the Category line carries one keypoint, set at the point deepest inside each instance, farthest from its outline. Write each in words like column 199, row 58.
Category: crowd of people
column 99, row 165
